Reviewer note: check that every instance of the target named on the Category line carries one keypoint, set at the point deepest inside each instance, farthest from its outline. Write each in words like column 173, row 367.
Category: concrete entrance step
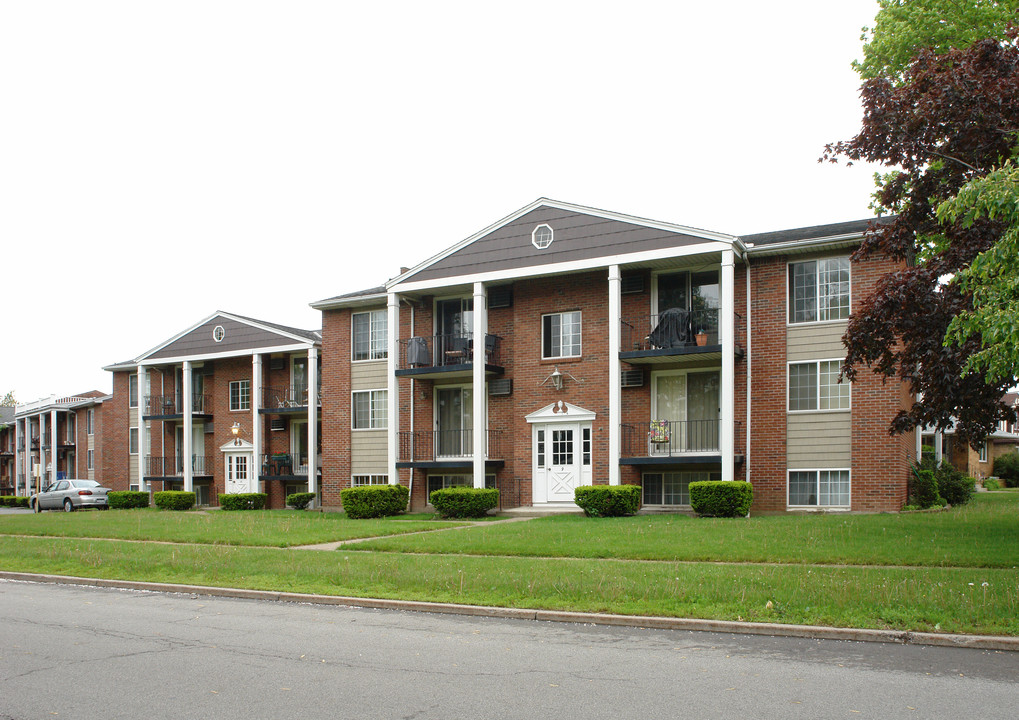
column 542, row 510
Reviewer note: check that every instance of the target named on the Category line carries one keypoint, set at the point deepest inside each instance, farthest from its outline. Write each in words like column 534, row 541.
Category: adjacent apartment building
column 566, row 345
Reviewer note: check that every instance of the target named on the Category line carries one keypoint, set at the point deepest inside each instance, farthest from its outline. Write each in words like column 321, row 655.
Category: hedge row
column 607, row 500
column 243, row 501
column 721, row 498
column 299, row 501
column 372, row 501
column 464, row 502
column 125, row 499
column 14, row 501
column 174, row 500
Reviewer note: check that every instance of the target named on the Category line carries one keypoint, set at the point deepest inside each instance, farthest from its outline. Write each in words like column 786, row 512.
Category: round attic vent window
column 541, row 238
column 218, row 333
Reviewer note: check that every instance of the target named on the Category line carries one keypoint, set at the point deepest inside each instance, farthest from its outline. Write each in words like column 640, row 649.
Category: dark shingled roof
column 312, row 335
column 379, row 290
column 814, row 232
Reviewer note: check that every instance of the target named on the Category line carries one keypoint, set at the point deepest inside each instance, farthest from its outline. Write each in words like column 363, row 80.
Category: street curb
column 813, row 632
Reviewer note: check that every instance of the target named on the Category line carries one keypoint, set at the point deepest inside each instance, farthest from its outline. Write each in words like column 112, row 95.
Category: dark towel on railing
column 417, row 352
column 673, row 329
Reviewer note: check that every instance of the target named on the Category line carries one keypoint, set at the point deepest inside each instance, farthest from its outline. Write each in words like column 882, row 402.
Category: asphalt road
column 80, row 652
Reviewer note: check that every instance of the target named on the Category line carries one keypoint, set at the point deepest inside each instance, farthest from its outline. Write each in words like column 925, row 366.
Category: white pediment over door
column 560, row 411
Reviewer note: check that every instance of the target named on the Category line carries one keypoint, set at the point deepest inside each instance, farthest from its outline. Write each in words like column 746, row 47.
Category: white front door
column 239, row 472
column 562, row 461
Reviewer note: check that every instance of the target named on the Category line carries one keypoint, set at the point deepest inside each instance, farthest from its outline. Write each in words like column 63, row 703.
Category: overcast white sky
column 161, row 161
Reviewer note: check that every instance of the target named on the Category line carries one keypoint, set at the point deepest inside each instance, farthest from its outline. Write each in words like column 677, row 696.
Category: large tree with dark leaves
column 952, row 118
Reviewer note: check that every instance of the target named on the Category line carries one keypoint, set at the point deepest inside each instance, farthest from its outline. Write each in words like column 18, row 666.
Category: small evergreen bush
column 992, row 484
column 923, row 489
column 464, row 502
column 299, row 501
column 1006, row 468
column 955, row 486
column 243, row 501
column 372, row 501
column 13, row 501
column 174, row 500
column 607, row 500
column 721, row 498
column 125, row 499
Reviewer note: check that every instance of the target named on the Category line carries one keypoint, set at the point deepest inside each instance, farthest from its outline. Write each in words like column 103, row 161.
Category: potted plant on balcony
column 701, row 336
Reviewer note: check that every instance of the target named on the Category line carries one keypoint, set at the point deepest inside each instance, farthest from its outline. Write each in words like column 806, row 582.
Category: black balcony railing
column 432, row 445
column 674, row 329
column 287, row 398
column 201, row 404
column 440, row 351
column 671, row 438
column 284, row 464
column 173, row 466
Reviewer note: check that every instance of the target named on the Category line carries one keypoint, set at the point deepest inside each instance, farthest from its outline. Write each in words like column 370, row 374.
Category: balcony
column 446, row 356
column 171, row 407
column 446, row 449
column 671, row 442
column 286, row 400
column 165, row 468
column 284, row 466
column 675, row 337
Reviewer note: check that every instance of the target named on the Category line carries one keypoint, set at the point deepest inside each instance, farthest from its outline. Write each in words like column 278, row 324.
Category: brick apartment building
column 51, row 439
column 566, row 345
column 229, row 404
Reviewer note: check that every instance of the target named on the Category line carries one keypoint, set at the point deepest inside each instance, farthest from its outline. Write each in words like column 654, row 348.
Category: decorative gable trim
column 560, row 412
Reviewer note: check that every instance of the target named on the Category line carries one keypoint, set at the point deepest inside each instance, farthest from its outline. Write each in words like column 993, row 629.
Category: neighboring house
column 978, row 463
column 7, row 444
column 230, row 404
column 55, row 438
column 566, row 345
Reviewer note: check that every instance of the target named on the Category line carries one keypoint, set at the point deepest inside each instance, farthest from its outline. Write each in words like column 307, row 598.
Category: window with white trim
column 240, row 395
column 132, row 391
column 437, row 482
column 983, row 452
column 133, row 441
column 815, row 385
column 90, row 459
column 362, row 480
column 369, row 408
column 819, row 290
column 819, row 488
column 369, row 335
column 560, row 335
column 90, row 419
column 672, row 488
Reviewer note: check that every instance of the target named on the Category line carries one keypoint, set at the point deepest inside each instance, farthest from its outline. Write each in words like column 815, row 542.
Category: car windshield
column 84, row 483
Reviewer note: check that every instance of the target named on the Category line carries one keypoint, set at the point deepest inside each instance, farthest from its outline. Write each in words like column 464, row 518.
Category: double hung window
column 370, row 336
column 819, row 488
column 240, row 395
column 369, row 409
column 560, row 335
column 815, row 385
column 819, row 290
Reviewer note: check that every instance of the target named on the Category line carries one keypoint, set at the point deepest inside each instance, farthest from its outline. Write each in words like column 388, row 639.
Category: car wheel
column 36, row 506
column 68, row 507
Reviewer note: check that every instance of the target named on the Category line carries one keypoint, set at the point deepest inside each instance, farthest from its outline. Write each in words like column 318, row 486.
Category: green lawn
column 778, row 569
column 984, row 533
column 946, row 599
column 275, row 528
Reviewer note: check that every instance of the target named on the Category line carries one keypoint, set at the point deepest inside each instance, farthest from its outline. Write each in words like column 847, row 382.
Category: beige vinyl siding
column 368, row 375
column 368, row 452
column 132, row 462
column 819, row 440
column 819, row 341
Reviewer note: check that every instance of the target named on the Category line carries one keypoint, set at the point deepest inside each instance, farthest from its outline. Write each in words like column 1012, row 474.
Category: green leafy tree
column 903, row 27
column 8, row 400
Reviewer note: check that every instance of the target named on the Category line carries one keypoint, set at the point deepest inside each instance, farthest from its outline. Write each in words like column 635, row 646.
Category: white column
column 478, row 411
column 615, row 391
column 142, row 404
column 256, row 418
column 726, row 329
column 189, row 474
column 53, row 445
column 19, row 454
column 392, row 394
column 939, row 439
column 313, row 422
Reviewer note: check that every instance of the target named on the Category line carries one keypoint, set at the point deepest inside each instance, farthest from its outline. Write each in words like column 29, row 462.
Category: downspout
column 746, row 447
column 413, row 390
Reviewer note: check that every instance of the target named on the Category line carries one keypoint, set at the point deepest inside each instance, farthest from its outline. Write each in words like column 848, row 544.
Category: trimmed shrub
column 243, row 501
column 955, row 486
column 992, row 484
column 372, row 501
column 607, row 500
column 923, row 489
column 174, row 500
column 125, row 499
column 13, row 501
column 299, row 501
column 1006, row 469
column 721, row 498
column 464, row 502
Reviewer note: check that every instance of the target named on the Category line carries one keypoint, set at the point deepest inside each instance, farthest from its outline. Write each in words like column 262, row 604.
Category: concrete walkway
column 354, row 541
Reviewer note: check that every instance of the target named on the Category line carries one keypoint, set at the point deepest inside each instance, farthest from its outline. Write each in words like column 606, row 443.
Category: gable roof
column 581, row 235
column 242, row 336
column 833, row 233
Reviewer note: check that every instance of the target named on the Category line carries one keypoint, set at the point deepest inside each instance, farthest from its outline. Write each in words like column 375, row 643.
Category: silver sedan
column 70, row 495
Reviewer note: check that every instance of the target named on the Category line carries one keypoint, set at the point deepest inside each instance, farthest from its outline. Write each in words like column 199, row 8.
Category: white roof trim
column 235, row 446
column 218, row 356
column 809, row 243
column 357, row 301
column 658, row 225
column 218, row 314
